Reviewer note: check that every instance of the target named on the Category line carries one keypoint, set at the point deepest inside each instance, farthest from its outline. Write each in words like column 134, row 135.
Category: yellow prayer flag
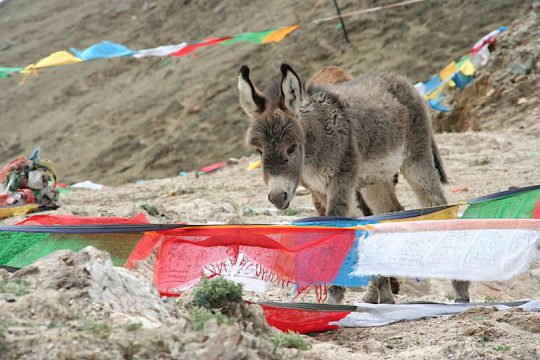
column 444, row 214
column 468, row 68
column 448, row 71
column 254, row 165
column 55, row 59
column 9, row 211
column 278, row 35
column 434, row 95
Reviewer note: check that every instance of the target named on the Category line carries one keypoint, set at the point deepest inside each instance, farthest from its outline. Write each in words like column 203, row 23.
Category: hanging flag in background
column 192, row 47
column 160, row 51
column 522, row 203
column 436, row 104
column 263, row 37
column 102, row 50
column 107, row 49
column 5, row 71
column 280, row 34
column 252, row 37
column 460, row 80
column 448, row 71
column 458, row 74
column 58, row 58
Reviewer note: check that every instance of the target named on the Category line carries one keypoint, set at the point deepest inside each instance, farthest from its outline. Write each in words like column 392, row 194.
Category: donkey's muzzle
column 279, row 198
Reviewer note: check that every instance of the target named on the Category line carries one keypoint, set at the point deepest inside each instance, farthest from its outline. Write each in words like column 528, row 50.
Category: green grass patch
column 133, row 326
column 183, row 190
column 101, row 329
column 198, row 317
column 502, row 348
column 486, row 338
column 290, row 340
column 217, row 293
column 151, row 209
column 5, row 322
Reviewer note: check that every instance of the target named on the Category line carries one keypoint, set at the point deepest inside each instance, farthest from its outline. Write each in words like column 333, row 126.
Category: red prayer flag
column 206, row 42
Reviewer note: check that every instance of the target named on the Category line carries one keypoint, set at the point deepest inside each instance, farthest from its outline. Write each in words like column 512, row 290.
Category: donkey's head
column 276, row 132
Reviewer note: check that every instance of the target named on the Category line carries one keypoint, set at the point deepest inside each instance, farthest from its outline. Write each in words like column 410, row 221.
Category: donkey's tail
column 438, row 162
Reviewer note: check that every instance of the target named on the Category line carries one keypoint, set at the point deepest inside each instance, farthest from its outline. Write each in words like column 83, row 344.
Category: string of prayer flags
column 108, row 49
column 458, row 74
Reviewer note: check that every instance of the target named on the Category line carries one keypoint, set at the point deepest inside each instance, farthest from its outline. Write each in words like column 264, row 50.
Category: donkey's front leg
column 340, row 197
column 341, row 194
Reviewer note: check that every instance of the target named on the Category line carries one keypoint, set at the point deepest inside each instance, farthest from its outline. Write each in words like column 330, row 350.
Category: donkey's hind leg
column 381, row 198
column 424, row 181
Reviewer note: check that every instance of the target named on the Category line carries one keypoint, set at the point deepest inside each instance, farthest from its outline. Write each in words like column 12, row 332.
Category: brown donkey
column 338, row 138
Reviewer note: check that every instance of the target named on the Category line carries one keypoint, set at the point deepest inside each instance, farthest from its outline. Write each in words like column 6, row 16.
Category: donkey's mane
column 330, row 98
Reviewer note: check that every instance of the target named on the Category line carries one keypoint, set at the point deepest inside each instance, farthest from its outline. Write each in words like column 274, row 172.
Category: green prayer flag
column 18, row 250
column 517, row 205
column 252, row 37
column 5, row 71
column 462, row 61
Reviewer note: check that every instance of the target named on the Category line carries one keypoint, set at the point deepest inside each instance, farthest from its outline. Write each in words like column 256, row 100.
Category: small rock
column 219, row 8
column 6, row 45
column 9, row 298
column 374, row 346
column 520, row 78
column 518, row 69
column 522, row 101
column 4, row 275
column 148, row 6
column 233, row 161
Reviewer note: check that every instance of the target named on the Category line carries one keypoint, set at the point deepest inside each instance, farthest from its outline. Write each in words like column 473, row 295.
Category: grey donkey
column 339, row 138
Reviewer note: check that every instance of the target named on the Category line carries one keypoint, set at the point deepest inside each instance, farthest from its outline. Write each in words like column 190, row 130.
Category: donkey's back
column 389, row 112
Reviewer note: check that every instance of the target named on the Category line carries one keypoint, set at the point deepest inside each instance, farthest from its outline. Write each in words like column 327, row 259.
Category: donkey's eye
column 291, row 149
column 258, row 151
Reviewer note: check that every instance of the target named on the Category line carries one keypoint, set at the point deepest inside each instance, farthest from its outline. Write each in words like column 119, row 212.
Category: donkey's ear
column 251, row 100
column 291, row 88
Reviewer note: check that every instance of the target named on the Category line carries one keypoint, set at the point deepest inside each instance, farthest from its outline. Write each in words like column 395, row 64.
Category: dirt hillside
column 120, row 120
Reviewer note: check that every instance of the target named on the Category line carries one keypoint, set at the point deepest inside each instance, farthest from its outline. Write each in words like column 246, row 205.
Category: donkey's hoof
column 371, row 296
